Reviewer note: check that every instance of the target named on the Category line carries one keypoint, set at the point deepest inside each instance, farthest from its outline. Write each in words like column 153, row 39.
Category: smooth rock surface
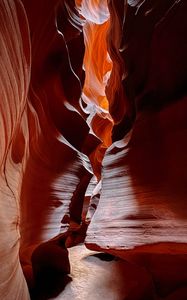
column 142, row 204
column 14, row 82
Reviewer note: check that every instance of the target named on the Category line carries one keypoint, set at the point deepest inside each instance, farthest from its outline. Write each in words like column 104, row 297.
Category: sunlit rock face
column 142, row 206
column 97, row 65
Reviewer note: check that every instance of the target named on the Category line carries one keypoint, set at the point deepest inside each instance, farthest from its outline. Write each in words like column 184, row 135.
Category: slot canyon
column 93, row 149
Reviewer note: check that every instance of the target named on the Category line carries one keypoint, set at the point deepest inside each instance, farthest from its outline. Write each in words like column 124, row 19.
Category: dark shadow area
column 51, row 269
column 100, row 258
column 105, row 256
column 49, row 285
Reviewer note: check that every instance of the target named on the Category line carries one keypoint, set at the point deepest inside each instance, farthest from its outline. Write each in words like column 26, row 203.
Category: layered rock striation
column 93, row 89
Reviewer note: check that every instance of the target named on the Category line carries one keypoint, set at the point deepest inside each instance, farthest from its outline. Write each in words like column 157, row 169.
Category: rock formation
column 93, row 133
column 15, row 61
column 144, row 173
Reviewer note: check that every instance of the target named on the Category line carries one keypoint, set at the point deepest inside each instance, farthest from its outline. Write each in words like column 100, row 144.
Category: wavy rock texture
column 93, row 87
column 142, row 206
column 143, row 180
column 14, row 82
column 44, row 170
column 57, row 171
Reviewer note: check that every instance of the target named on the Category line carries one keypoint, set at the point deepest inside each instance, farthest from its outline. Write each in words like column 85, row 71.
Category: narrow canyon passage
column 93, row 149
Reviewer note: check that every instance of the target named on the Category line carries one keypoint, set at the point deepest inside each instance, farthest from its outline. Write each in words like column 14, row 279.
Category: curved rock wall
column 93, row 88
column 14, row 83
column 141, row 215
column 143, row 192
